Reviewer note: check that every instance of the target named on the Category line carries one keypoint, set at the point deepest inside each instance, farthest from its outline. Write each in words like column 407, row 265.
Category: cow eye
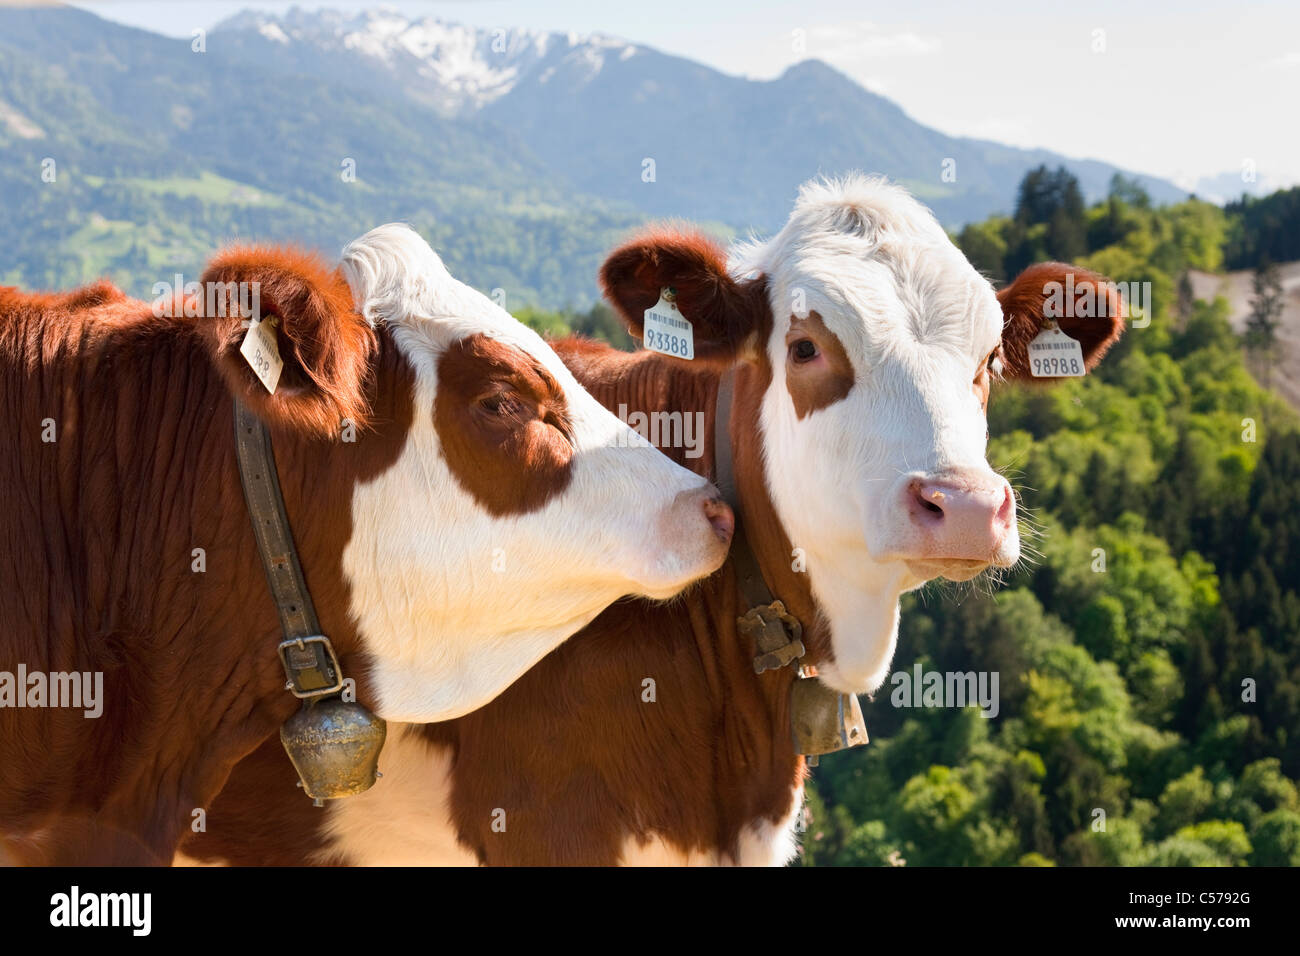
column 804, row 350
column 498, row 403
column 994, row 362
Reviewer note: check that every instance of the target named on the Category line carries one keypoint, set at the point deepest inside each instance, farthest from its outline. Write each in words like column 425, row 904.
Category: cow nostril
column 1008, row 506
column 929, row 500
column 721, row 518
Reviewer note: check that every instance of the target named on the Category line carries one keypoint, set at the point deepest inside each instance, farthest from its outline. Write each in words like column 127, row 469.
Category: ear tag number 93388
column 666, row 330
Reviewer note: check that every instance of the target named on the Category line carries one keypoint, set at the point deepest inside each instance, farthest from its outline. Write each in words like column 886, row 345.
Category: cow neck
column 821, row 720
column 777, row 634
column 761, row 551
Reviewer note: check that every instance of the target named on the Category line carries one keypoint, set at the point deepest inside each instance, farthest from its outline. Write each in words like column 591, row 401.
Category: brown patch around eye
column 504, row 425
column 817, row 384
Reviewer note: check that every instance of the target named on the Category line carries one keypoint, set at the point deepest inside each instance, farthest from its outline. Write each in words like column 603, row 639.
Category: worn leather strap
column 748, row 574
column 310, row 665
column 777, row 635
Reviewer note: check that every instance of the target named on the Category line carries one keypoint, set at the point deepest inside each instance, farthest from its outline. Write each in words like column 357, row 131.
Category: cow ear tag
column 262, row 352
column 1053, row 354
column 666, row 330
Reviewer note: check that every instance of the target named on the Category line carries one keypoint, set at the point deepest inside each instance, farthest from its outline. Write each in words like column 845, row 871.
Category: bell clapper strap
column 330, row 741
column 822, row 720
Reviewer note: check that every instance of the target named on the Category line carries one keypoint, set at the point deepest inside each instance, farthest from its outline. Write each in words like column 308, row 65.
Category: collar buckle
column 311, row 667
column 777, row 635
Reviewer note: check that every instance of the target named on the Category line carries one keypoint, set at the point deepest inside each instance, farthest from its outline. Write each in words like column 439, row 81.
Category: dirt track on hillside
column 1235, row 287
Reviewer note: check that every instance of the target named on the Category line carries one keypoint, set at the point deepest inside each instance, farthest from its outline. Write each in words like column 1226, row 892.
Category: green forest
column 1148, row 646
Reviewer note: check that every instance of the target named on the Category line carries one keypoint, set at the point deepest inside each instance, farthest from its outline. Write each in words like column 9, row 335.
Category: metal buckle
column 311, row 666
column 777, row 634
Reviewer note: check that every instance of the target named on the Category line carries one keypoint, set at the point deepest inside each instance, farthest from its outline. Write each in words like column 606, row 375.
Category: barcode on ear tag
column 666, row 330
column 1053, row 354
column 262, row 352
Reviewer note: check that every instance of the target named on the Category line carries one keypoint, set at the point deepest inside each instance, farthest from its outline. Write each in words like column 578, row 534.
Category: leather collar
column 333, row 742
column 311, row 667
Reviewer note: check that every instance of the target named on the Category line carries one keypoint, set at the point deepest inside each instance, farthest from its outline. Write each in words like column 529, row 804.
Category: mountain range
column 523, row 155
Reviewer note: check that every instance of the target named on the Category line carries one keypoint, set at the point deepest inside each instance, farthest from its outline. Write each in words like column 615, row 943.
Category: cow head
column 513, row 509
column 865, row 345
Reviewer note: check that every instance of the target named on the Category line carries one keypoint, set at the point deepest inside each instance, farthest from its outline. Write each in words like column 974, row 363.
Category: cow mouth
column 954, row 569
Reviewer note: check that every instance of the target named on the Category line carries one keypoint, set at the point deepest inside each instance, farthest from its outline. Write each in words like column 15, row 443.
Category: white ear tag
column 666, row 330
column 262, row 352
column 1053, row 354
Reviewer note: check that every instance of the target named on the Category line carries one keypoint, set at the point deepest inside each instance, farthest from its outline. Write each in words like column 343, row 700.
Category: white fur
column 765, row 843
column 916, row 321
column 453, row 604
column 405, row 818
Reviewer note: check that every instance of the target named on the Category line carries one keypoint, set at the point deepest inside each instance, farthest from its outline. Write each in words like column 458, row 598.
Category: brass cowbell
column 823, row 720
column 334, row 745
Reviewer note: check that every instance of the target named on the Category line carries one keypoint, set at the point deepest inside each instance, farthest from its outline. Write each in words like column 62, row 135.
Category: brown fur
column 327, row 348
column 504, row 425
column 1022, row 307
column 99, row 527
column 719, row 308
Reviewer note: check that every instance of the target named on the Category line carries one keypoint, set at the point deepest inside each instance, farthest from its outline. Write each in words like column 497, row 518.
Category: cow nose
column 961, row 516
column 721, row 517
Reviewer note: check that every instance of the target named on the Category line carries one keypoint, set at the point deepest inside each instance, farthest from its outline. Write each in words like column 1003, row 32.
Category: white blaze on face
column 874, row 424
column 518, row 509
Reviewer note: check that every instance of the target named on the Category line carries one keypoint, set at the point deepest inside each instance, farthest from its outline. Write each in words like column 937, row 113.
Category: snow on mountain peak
column 272, row 32
column 463, row 67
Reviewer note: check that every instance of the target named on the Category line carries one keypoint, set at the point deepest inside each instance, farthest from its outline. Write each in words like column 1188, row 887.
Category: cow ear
column 725, row 314
column 1085, row 306
column 326, row 347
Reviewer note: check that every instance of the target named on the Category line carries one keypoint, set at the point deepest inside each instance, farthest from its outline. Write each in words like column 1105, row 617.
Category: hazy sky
column 1181, row 90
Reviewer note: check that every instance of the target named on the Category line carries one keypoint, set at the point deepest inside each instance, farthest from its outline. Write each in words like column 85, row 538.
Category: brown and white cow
column 864, row 346
column 478, row 519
